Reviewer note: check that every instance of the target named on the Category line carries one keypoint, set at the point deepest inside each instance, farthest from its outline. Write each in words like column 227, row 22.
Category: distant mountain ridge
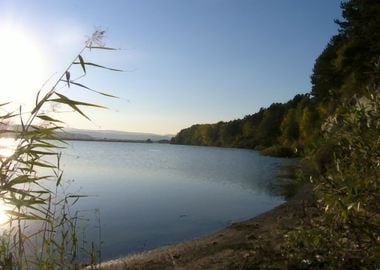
column 74, row 133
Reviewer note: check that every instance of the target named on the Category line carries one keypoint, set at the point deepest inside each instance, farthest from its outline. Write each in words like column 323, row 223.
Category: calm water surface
column 149, row 195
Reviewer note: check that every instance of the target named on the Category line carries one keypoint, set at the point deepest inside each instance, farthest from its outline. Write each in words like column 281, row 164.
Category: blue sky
column 187, row 61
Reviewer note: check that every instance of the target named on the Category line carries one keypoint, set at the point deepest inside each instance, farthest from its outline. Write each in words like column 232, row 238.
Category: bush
column 346, row 234
column 279, row 151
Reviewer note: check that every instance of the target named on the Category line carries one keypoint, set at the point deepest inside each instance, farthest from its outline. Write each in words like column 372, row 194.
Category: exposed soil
column 252, row 244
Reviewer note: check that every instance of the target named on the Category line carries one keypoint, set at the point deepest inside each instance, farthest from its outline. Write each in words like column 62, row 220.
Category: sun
column 22, row 66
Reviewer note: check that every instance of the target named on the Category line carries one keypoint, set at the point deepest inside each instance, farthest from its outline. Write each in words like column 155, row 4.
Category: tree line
column 289, row 125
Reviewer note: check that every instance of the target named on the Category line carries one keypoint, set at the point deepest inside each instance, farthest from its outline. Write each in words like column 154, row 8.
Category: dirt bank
column 252, row 244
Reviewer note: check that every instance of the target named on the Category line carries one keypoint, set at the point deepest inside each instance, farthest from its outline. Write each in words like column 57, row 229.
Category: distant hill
column 84, row 134
column 102, row 135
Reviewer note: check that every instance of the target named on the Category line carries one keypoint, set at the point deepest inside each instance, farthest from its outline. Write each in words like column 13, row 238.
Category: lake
column 150, row 195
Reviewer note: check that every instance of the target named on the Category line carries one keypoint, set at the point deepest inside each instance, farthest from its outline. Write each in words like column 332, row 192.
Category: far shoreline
column 115, row 140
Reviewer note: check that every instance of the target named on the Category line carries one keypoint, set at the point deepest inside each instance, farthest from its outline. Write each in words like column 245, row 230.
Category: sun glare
column 22, row 67
column 7, row 147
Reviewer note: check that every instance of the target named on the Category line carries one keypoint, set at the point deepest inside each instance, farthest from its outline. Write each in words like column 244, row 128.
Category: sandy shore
column 252, row 244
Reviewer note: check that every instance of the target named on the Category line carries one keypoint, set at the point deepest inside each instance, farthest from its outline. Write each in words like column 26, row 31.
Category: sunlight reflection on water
column 7, row 147
column 4, row 216
column 149, row 195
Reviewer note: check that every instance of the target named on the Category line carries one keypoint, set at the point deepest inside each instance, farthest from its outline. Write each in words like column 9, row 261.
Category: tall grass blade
column 74, row 104
column 99, row 66
column 48, row 118
column 85, row 87
column 82, row 63
column 102, row 48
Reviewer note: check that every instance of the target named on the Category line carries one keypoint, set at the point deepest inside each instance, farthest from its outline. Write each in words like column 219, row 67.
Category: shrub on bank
column 279, row 151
